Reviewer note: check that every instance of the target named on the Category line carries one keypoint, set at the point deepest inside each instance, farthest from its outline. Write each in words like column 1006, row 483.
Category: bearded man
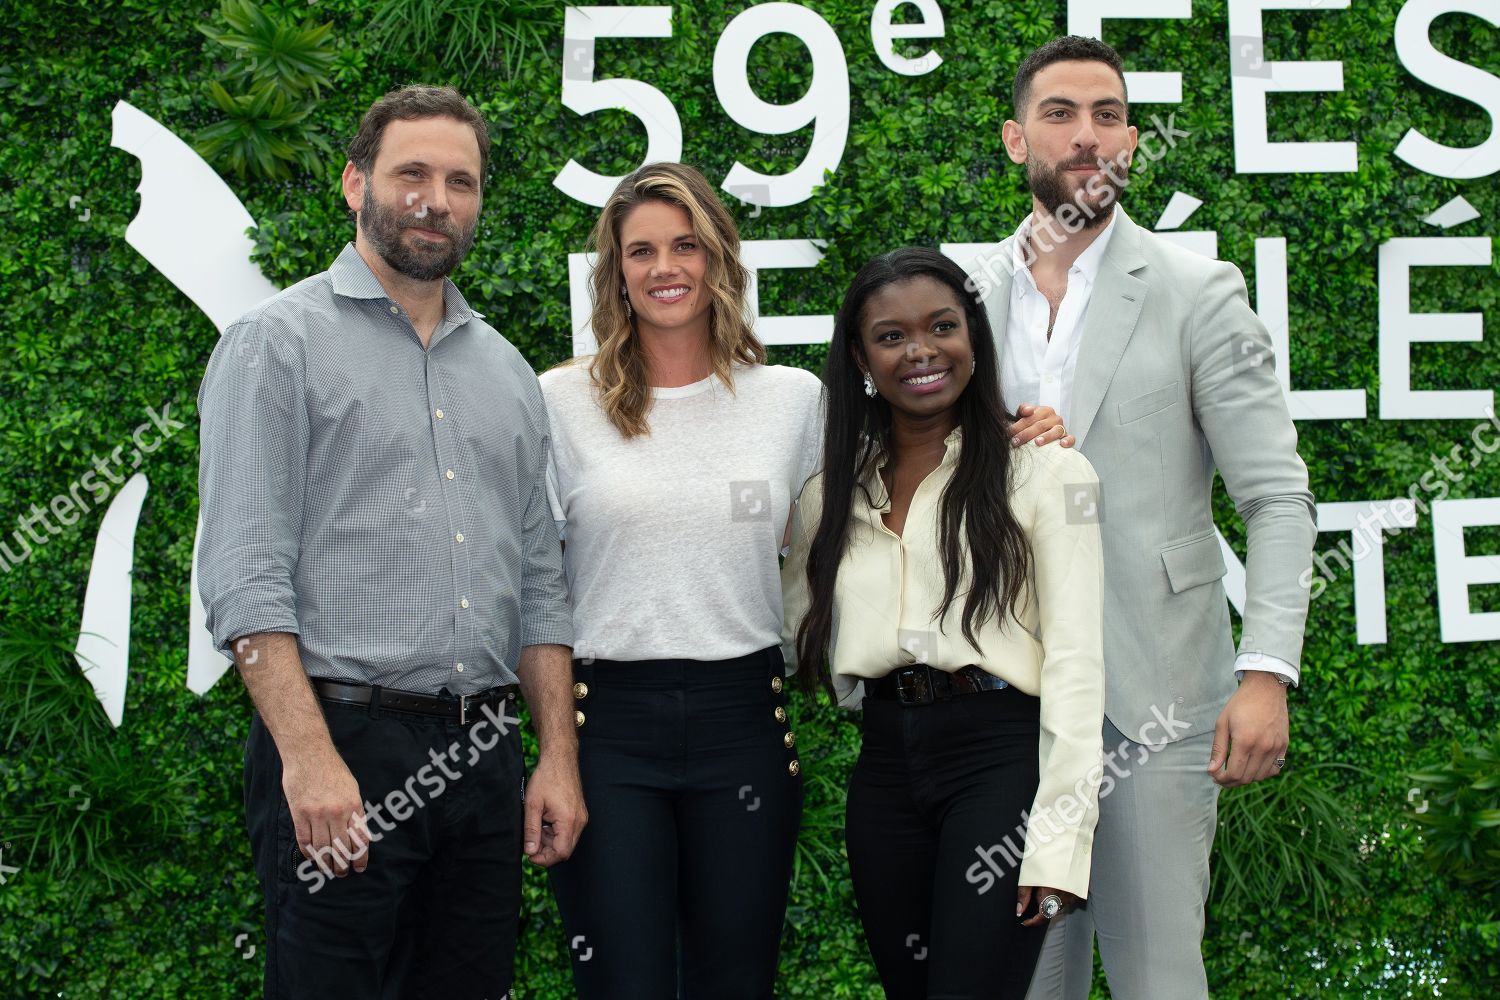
column 379, row 556
column 1160, row 369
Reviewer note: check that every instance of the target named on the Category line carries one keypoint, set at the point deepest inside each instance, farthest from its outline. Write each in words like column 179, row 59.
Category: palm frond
column 1287, row 838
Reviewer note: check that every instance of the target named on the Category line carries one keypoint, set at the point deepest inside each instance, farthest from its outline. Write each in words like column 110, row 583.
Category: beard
column 1050, row 186
column 421, row 260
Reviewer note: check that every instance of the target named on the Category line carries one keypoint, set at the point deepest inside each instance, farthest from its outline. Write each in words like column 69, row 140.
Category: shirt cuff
column 547, row 630
column 1267, row 663
column 233, row 617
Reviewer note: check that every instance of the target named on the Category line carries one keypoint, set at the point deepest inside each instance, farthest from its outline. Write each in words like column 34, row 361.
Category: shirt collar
column 951, row 444
column 353, row 279
column 1087, row 263
column 876, row 486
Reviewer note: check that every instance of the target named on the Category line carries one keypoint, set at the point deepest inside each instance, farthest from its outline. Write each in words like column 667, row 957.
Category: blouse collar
column 876, row 486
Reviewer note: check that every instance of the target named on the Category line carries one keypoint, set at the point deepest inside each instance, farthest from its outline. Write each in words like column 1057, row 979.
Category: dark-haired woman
column 958, row 580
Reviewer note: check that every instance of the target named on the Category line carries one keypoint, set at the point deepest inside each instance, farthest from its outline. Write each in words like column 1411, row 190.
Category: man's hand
column 1251, row 732
column 1039, row 423
column 1024, row 896
column 555, row 813
column 327, row 814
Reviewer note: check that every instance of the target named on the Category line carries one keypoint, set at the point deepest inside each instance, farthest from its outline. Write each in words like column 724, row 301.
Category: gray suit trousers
column 1158, row 809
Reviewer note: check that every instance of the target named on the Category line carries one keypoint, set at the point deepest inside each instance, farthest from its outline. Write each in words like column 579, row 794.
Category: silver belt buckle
column 463, row 709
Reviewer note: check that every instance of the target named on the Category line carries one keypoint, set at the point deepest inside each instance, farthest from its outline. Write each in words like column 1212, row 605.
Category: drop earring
column 629, row 313
column 869, row 385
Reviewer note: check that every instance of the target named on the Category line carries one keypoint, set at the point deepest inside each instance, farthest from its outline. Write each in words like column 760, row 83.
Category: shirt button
column 395, row 310
column 458, row 537
column 438, row 414
column 459, row 668
column 463, row 602
column 450, row 473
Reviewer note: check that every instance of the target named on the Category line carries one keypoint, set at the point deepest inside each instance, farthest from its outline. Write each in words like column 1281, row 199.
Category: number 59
column 825, row 105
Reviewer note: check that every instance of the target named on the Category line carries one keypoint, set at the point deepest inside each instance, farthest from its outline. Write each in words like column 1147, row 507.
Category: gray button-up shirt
column 384, row 502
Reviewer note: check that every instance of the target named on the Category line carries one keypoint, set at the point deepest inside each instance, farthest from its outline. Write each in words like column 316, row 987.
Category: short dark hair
column 409, row 104
column 1064, row 49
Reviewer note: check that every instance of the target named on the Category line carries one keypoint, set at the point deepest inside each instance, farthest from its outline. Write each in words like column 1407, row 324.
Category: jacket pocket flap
column 1194, row 562
column 1143, row 406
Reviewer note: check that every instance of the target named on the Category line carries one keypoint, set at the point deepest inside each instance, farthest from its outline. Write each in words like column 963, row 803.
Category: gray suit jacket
column 1174, row 380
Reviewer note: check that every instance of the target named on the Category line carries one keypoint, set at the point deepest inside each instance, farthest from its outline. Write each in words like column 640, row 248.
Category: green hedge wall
column 95, row 336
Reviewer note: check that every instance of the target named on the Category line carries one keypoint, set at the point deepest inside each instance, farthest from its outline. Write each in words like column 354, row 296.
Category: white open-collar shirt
column 1033, row 367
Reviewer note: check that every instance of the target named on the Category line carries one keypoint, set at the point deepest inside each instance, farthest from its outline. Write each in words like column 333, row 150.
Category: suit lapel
column 1114, row 306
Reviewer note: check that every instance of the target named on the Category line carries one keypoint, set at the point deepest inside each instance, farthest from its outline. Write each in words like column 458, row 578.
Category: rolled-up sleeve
column 545, row 614
column 251, row 481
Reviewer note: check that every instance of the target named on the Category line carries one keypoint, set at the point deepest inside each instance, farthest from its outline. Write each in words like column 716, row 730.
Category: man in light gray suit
column 1163, row 373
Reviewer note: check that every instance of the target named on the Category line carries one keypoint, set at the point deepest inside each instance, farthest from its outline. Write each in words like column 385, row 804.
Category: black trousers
column 935, row 785
column 435, row 913
column 678, row 886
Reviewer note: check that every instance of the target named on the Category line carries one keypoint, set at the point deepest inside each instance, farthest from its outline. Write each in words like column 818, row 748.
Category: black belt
column 456, row 708
column 923, row 684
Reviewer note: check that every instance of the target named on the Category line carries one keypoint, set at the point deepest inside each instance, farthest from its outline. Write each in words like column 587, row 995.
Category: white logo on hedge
column 191, row 228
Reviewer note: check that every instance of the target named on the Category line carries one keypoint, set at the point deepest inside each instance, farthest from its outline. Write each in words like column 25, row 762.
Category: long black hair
column 975, row 505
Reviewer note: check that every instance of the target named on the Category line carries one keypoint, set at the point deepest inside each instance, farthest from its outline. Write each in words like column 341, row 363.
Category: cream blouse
column 889, row 585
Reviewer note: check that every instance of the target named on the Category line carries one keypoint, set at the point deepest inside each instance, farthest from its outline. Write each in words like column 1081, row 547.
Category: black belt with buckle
column 923, row 684
column 459, row 709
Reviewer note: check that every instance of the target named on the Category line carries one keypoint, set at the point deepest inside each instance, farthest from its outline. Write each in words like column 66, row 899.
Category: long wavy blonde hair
column 618, row 368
